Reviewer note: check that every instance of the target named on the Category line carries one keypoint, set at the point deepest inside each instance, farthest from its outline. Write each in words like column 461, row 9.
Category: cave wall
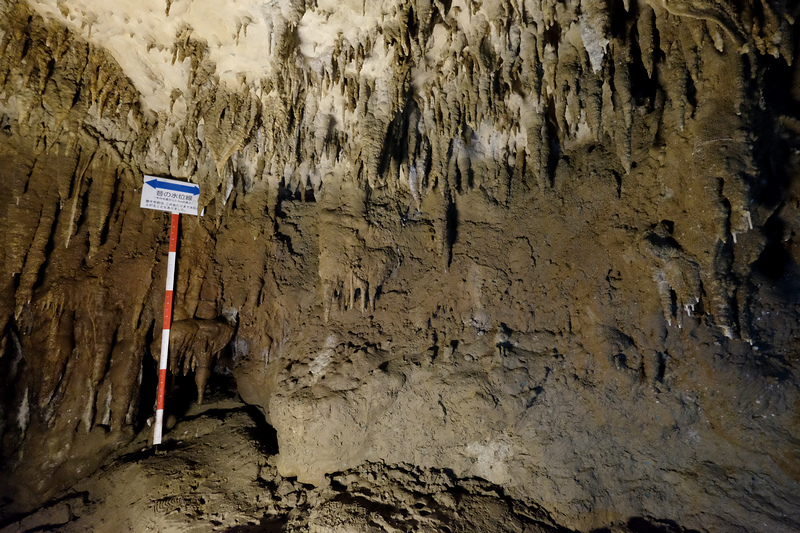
column 550, row 245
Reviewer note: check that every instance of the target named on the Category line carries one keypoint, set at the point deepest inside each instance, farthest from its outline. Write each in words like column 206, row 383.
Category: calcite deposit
column 550, row 247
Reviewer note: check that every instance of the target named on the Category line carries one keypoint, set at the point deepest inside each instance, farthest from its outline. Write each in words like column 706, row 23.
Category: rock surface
column 213, row 476
column 549, row 245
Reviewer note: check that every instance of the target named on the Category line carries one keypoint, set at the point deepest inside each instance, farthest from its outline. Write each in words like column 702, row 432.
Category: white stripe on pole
column 170, row 270
column 158, row 424
column 164, row 349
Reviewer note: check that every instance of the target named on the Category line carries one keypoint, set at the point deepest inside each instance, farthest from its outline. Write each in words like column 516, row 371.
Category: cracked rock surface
column 549, row 246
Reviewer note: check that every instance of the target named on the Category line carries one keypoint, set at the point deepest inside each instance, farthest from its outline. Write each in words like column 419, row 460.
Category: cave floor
column 215, row 472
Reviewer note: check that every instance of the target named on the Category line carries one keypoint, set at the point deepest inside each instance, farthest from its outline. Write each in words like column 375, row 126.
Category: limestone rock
column 548, row 245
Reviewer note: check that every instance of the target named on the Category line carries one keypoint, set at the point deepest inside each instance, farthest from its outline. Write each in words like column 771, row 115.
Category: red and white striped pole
column 162, row 368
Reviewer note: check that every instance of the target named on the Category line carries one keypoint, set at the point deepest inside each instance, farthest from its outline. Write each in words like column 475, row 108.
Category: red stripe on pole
column 162, row 386
column 167, row 309
column 173, row 233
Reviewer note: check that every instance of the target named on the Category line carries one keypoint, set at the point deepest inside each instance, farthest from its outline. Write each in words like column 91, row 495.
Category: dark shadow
column 16, row 518
column 452, row 229
column 267, row 524
column 639, row 524
column 264, row 434
column 149, row 386
column 180, row 394
column 775, row 262
column 552, row 140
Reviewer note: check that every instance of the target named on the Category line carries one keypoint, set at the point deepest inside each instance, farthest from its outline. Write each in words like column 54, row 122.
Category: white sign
column 170, row 195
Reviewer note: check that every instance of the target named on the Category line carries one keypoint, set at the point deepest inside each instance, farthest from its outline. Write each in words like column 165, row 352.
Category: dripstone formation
column 550, row 246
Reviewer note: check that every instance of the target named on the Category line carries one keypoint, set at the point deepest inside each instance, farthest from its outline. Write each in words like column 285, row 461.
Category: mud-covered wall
column 550, row 245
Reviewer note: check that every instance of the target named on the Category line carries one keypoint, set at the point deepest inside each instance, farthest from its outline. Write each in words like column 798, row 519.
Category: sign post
column 175, row 197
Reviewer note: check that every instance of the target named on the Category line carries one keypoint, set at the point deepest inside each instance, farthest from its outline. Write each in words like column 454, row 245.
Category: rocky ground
column 215, row 472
